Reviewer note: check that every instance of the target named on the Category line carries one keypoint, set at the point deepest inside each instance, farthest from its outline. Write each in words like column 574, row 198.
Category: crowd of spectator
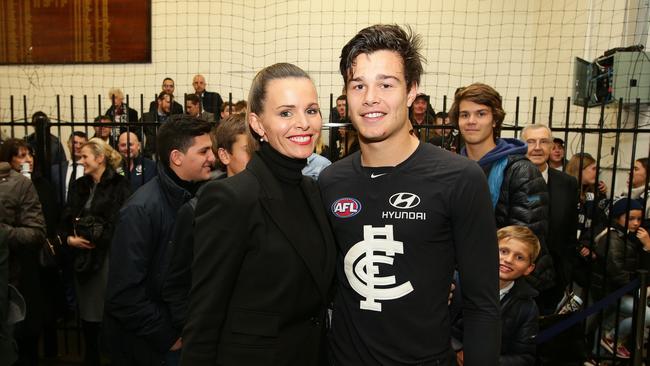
column 201, row 236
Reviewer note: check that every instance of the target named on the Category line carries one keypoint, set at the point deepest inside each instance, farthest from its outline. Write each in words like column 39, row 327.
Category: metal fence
column 621, row 143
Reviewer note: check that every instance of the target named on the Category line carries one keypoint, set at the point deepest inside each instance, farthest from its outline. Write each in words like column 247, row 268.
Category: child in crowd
column 618, row 254
column 518, row 250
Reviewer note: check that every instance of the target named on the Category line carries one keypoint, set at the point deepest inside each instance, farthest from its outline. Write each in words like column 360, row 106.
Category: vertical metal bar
column 566, row 131
column 534, row 110
column 13, row 118
column 444, row 103
column 637, row 353
column 516, row 116
column 25, row 112
column 550, row 114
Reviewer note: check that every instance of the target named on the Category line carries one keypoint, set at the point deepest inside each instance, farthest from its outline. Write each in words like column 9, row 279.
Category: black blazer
column 258, row 295
column 562, row 221
column 211, row 102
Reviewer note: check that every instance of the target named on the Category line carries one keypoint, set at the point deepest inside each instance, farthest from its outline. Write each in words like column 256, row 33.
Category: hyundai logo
column 404, row 200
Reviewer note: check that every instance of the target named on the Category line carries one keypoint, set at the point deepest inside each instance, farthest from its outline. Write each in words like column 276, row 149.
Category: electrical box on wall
column 621, row 73
column 631, row 77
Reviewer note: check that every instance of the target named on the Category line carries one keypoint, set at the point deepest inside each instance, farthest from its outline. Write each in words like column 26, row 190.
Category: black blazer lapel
column 272, row 202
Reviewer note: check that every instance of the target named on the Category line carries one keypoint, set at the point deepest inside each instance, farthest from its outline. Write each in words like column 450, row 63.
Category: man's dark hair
column 99, row 118
column 342, row 97
column 194, row 99
column 389, row 37
column 81, row 134
column 11, row 147
column 162, row 95
column 442, row 115
column 227, row 105
column 168, row 78
column 179, row 134
column 40, row 116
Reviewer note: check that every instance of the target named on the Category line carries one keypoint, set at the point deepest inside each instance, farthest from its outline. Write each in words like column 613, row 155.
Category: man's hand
column 642, row 234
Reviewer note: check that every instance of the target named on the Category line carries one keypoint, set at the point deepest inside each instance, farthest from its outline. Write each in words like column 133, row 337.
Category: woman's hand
column 602, row 187
column 79, row 242
column 644, row 238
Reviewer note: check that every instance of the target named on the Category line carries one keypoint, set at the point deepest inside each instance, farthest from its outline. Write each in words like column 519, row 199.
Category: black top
column 288, row 171
column 401, row 231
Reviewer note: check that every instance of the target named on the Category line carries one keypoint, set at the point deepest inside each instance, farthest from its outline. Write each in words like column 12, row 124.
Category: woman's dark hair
column 644, row 162
column 257, row 93
column 11, row 147
column 389, row 37
column 179, row 134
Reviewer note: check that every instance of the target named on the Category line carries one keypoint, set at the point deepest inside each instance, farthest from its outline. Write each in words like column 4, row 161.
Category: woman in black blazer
column 264, row 252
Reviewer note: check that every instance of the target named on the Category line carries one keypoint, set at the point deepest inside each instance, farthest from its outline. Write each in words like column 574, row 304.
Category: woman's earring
column 262, row 139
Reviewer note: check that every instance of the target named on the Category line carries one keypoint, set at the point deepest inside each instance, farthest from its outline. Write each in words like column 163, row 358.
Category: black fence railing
column 615, row 146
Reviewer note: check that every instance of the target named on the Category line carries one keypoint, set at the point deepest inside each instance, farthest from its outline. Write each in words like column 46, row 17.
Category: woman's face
column 90, row 161
column 589, row 174
column 638, row 175
column 290, row 120
column 24, row 156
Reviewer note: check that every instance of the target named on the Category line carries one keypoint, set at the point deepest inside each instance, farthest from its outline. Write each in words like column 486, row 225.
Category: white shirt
column 79, row 173
column 504, row 291
column 545, row 174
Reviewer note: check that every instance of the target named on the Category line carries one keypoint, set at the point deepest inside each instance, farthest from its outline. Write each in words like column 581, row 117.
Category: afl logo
column 346, row 207
column 404, row 200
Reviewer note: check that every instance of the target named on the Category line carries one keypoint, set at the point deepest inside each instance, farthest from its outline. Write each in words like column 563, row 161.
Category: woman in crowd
column 592, row 212
column 87, row 226
column 264, row 258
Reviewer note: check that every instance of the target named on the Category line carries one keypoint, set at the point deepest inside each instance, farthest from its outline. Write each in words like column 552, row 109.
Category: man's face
column 237, row 159
column 475, row 122
column 419, row 106
column 378, row 98
column 196, row 163
column 103, row 132
column 117, row 100
column 514, row 259
column 168, row 86
column 165, row 104
column 340, row 108
column 557, row 153
column 129, row 149
column 192, row 109
column 441, row 122
column 75, row 146
column 199, row 84
column 539, row 143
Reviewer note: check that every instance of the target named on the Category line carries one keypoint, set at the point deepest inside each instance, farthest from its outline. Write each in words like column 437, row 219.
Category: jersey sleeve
column 474, row 231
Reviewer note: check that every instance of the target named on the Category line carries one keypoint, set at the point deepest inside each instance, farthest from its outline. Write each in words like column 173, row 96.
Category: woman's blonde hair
column 98, row 146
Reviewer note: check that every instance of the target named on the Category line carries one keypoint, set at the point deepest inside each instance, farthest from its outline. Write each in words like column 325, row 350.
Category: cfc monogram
column 363, row 276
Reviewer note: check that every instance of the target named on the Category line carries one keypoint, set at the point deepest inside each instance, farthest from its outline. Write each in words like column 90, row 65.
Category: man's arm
column 474, row 231
column 29, row 227
column 127, row 298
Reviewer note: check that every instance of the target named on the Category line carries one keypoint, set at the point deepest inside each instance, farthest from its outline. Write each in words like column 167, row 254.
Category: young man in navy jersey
column 405, row 215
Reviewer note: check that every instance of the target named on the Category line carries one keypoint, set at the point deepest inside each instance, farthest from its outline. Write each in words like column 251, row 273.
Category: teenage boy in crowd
column 399, row 239
column 518, row 249
column 517, row 188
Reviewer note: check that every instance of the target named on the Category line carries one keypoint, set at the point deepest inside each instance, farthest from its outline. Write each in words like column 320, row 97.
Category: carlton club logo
column 404, row 200
column 346, row 207
column 362, row 270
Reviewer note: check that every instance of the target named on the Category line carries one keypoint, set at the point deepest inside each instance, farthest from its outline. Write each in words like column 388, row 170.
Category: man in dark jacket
column 155, row 120
column 210, row 101
column 562, row 217
column 519, row 195
column 139, row 323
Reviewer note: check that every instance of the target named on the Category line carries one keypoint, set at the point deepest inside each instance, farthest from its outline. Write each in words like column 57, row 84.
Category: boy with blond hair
column 518, row 250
